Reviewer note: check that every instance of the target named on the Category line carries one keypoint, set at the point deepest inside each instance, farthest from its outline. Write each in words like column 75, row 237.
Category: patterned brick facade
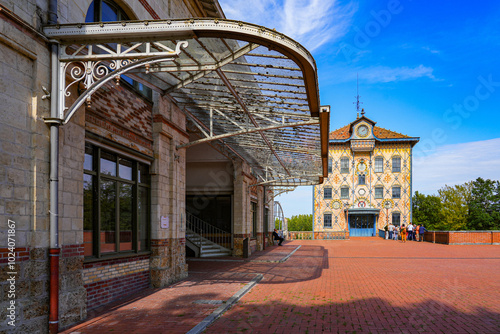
column 356, row 184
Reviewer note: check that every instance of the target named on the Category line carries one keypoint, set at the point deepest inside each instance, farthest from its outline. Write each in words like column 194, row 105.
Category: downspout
column 54, row 123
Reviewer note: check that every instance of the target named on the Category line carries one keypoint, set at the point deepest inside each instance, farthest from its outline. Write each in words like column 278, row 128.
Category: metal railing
column 207, row 231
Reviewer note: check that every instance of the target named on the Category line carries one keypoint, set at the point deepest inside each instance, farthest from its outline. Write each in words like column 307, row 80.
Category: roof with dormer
column 344, row 133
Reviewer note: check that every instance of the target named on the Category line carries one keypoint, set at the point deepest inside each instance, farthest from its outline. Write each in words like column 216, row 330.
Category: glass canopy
column 244, row 87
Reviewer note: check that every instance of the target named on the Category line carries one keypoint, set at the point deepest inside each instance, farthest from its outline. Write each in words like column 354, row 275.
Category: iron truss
column 247, row 88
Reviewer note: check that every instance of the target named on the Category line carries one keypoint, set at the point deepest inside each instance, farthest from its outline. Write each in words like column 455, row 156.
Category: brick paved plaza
column 360, row 285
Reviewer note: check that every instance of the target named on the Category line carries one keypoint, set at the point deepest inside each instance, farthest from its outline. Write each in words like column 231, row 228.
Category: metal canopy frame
column 251, row 89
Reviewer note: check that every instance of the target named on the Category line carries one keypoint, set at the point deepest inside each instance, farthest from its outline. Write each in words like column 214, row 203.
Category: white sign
column 164, row 222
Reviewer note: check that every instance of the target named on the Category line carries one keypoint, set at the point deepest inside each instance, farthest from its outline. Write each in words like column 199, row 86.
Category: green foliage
column 427, row 210
column 484, row 205
column 300, row 223
column 473, row 205
column 455, row 209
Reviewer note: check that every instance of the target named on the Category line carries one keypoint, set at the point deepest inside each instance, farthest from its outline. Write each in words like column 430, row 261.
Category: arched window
column 109, row 11
column 105, row 11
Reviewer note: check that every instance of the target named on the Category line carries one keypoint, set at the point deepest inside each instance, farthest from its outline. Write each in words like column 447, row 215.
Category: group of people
column 410, row 232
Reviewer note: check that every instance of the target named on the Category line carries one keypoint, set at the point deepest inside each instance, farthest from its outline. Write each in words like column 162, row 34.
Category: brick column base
column 168, row 261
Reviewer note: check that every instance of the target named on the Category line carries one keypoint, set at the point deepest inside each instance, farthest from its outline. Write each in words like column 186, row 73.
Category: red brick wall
column 106, row 291
column 103, row 290
column 463, row 237
column 22, row 254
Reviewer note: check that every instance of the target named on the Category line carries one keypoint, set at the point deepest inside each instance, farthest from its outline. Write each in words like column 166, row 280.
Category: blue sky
column 428, row 69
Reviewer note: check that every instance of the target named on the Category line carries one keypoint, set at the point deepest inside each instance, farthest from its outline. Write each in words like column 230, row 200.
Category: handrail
column 207, row 231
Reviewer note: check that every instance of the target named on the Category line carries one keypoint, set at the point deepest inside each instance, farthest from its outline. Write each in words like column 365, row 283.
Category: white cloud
column 379, row 74
column 311, row 23
column 456, row 164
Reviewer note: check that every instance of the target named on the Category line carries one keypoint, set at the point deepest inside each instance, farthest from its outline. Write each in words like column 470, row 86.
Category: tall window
column 396, row 192
column 396, row 219
column 379, row 165
column 361, row 179
column 344, row 165
column 109, row 11
column 327, row 220
column 254, row 219
column 330, row 165
column 327, row 193
column 116, row 203
column 344, row 192
column 396, row 164
column 379, row 192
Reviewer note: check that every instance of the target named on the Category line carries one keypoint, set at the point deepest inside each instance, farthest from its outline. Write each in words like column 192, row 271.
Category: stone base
column 167, row 261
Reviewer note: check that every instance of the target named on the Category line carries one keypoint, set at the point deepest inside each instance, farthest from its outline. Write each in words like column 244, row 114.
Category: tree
column 300, row 223
column 484, row 205
column 427, row 210
column 455, row 205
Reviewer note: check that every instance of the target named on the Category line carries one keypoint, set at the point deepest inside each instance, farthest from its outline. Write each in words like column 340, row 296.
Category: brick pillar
column 242, row 215
column 168, row 195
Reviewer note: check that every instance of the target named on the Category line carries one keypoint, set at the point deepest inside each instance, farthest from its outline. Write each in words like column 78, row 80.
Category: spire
column 357, row 98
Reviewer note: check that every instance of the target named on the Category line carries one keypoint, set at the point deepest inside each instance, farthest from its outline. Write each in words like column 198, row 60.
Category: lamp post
column 387, row 206
column 346, row 205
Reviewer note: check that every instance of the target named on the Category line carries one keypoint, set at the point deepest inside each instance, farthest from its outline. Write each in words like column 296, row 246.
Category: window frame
column 325, row 215
column 362, row 179
column 381, row 188
column 342, row 195
column 394, row 194
column 396, row 167
column 325, row 193
column 396, row 222
column 344, row 169
column 137, row 186
column 379, row 169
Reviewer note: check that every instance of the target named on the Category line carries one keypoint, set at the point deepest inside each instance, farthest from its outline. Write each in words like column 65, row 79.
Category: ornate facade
column 369, row 182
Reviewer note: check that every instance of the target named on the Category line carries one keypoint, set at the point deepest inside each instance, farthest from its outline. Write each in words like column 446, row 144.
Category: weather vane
column 357, row 98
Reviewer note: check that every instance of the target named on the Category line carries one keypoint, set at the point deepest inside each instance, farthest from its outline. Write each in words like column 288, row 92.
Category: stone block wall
column 29, row 290
column 463, row 237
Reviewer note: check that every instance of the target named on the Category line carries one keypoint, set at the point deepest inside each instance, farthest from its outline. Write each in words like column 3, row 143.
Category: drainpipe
column 54, row 123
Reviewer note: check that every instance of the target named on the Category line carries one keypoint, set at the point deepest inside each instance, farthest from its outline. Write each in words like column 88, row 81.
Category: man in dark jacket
column 277, row 237
column 421, row 232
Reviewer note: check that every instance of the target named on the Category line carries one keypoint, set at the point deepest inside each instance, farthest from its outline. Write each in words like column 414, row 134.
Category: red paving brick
column 360, row 285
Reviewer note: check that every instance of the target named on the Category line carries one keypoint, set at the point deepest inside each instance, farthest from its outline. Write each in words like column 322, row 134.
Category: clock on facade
column 362, row 131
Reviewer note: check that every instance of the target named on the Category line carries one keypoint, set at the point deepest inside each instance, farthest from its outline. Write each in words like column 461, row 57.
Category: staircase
column 206, row 240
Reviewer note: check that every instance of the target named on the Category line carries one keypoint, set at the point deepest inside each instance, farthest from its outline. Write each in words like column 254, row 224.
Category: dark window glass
column 125, row 169
column 108, row 163
column 396, row 164
column 88, row 209
column 143, row 216
column 396, row 219
column 327, row 220
column 88, row 158
column 327, row 193
column 361, row 179
column 379, row 192
column 123, row 204
column 344, row 165
column 396, row 192
column 344, row 192
column 330, row 165
column 379, row 165
column 108, row 216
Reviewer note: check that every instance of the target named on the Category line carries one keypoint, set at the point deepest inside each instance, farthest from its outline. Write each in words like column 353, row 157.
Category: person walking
column 422, row 231
column 395, row 235
column 403, row 233
column 417, row 232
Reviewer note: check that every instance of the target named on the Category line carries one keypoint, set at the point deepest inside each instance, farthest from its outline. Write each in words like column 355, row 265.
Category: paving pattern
column 362, row 285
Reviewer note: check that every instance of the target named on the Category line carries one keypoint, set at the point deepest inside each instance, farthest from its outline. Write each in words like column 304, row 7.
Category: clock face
column 363, row 131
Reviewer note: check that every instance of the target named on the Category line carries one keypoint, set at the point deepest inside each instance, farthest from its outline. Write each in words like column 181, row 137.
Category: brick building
column 134, row 132
column 369, row 182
